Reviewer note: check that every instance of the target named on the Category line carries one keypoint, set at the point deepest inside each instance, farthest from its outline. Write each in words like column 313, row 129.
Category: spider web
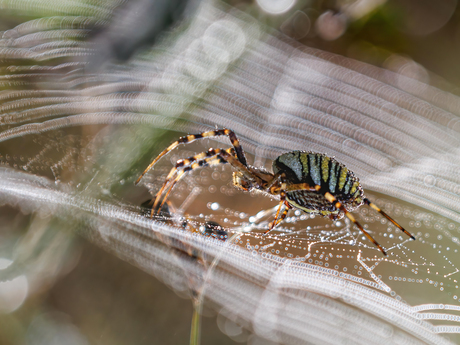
column 74, row 139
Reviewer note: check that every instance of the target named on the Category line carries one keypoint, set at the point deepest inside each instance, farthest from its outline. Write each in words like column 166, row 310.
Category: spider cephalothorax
column 309, row 181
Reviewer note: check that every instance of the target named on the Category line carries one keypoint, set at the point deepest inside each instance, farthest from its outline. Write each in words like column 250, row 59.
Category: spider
column 308, row 181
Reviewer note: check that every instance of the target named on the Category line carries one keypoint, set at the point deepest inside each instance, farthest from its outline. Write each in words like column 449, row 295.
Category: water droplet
column 429, row 180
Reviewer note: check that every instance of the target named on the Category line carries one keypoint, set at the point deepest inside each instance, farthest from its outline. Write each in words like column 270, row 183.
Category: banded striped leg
column 276, row 221
column 281, row 190
column 181, row 168
column 375, row 207
column 329, row 197
column 192, row 137
column 291, row 188
column 211, row 157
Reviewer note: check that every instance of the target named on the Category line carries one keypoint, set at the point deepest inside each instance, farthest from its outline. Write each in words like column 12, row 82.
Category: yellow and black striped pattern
column 323, row 171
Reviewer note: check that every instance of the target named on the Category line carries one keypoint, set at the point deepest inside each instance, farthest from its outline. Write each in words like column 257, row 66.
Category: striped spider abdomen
column 326, row 172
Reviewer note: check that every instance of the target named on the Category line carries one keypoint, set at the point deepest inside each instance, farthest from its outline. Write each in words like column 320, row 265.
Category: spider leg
column 275, row 181
column 276, row 221
column 291, row 188
column 211, row 157
column 181, row 168
column 192, row 137
column 299, row 186
column 281, row 189
column 156, row 208
column 329, row 197
column 212, row 161
column 375, row 207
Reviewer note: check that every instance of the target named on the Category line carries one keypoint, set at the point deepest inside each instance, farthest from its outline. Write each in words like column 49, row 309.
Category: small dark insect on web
column 308, row 181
